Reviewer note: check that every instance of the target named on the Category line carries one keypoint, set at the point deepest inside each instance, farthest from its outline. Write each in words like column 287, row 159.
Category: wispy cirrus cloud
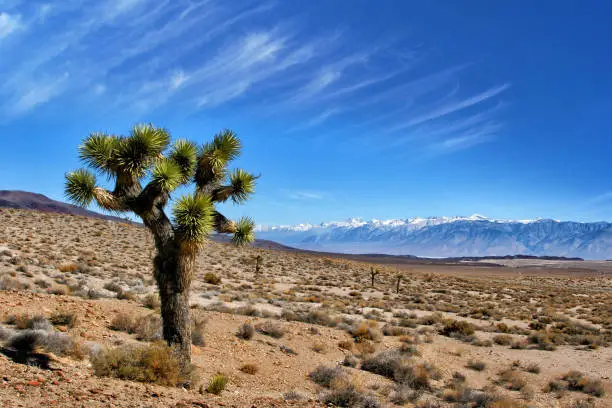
column 9, row 23
column 192, row 55
column 305, row 195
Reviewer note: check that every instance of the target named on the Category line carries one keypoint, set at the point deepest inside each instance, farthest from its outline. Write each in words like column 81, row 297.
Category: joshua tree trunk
column 173, row 275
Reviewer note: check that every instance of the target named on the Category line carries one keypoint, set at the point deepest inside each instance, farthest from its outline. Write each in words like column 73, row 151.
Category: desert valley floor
column 522, row 334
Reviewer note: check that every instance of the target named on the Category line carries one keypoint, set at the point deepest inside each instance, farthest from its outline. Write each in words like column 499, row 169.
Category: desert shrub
column 402, row 394
column 293, row 396
column 217, row 384
column 27, row 341
column 67, row 267
column 478, row 342
column 155, row 363
column 348, row 396
column 345, row 344
column 417, row 377
column 587, row 403
column 249, row 369
column 542, row 341
column 147, row 328
column 246, row 331
column 350, row 361
column 503, row 339
column 389, row 330
column 271, row 329
column 6, row 333
column 364, row 348
column 122, row 322
column 476, row 365
column 457, row 328
column 198, row 324
column 533, row 368
column 319, row 347
column 576, row 381
column 324, row 376
column 113, row 287
column 8, row 283
column 384, row 363
column 431, row 319
column 63, row 345
column 30, row 341
column 513, row 380
column 366, row 330
column 39, row 323
column 126, row 295
column 212, row 278
column 151, row 301
column 65, row 318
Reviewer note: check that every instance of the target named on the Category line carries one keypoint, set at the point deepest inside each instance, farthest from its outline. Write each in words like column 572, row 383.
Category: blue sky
column 378, row 109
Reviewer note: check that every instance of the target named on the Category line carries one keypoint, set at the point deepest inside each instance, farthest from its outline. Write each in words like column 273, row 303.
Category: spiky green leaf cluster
column 242, row 185
column 193, row 217
column 145, row 143
column 167, row 175
column 184, row 154
column 245, row 232
column 80, row 186
column 99, row 152
column 214, row 157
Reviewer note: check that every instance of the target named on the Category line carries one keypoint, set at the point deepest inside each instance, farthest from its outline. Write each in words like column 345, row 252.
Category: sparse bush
column 147, row 328
column 154, row 363
column 345, row 345
column 212, row 278
column 198, row 324
column 271, row 329
column 324, row 376
column 457, row 328
column 65, row 318
column 246, row 331
column 63, row 345
column 67, row 267
column 113, row 287
column 126, row 295
column 513, row 380
column 576, row 381
column 403, row 394
column 348, row 396
column 476, row 365
column 122, row 322
column 533, row 368
column 350, row 361
column 503, row 339
column 151, row 301
column 366, row 330
column 249, row 369
column 292, row 396
column 319, row 347
column 217, row 384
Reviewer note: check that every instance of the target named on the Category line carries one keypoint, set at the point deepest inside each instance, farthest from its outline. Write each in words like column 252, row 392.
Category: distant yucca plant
column 148, row 152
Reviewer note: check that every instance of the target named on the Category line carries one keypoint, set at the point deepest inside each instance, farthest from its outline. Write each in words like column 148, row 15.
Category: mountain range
column 439, row 237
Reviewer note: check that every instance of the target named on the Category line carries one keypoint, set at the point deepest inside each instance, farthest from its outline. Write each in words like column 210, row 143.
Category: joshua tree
column 373, row 273
column 258, row 260
column 147, row 154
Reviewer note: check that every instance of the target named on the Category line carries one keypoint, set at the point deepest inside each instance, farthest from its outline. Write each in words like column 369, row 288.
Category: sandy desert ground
column 524, row 335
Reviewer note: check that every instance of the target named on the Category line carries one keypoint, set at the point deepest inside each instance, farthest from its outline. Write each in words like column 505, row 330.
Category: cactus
column 398, row 278
column 148, row 150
